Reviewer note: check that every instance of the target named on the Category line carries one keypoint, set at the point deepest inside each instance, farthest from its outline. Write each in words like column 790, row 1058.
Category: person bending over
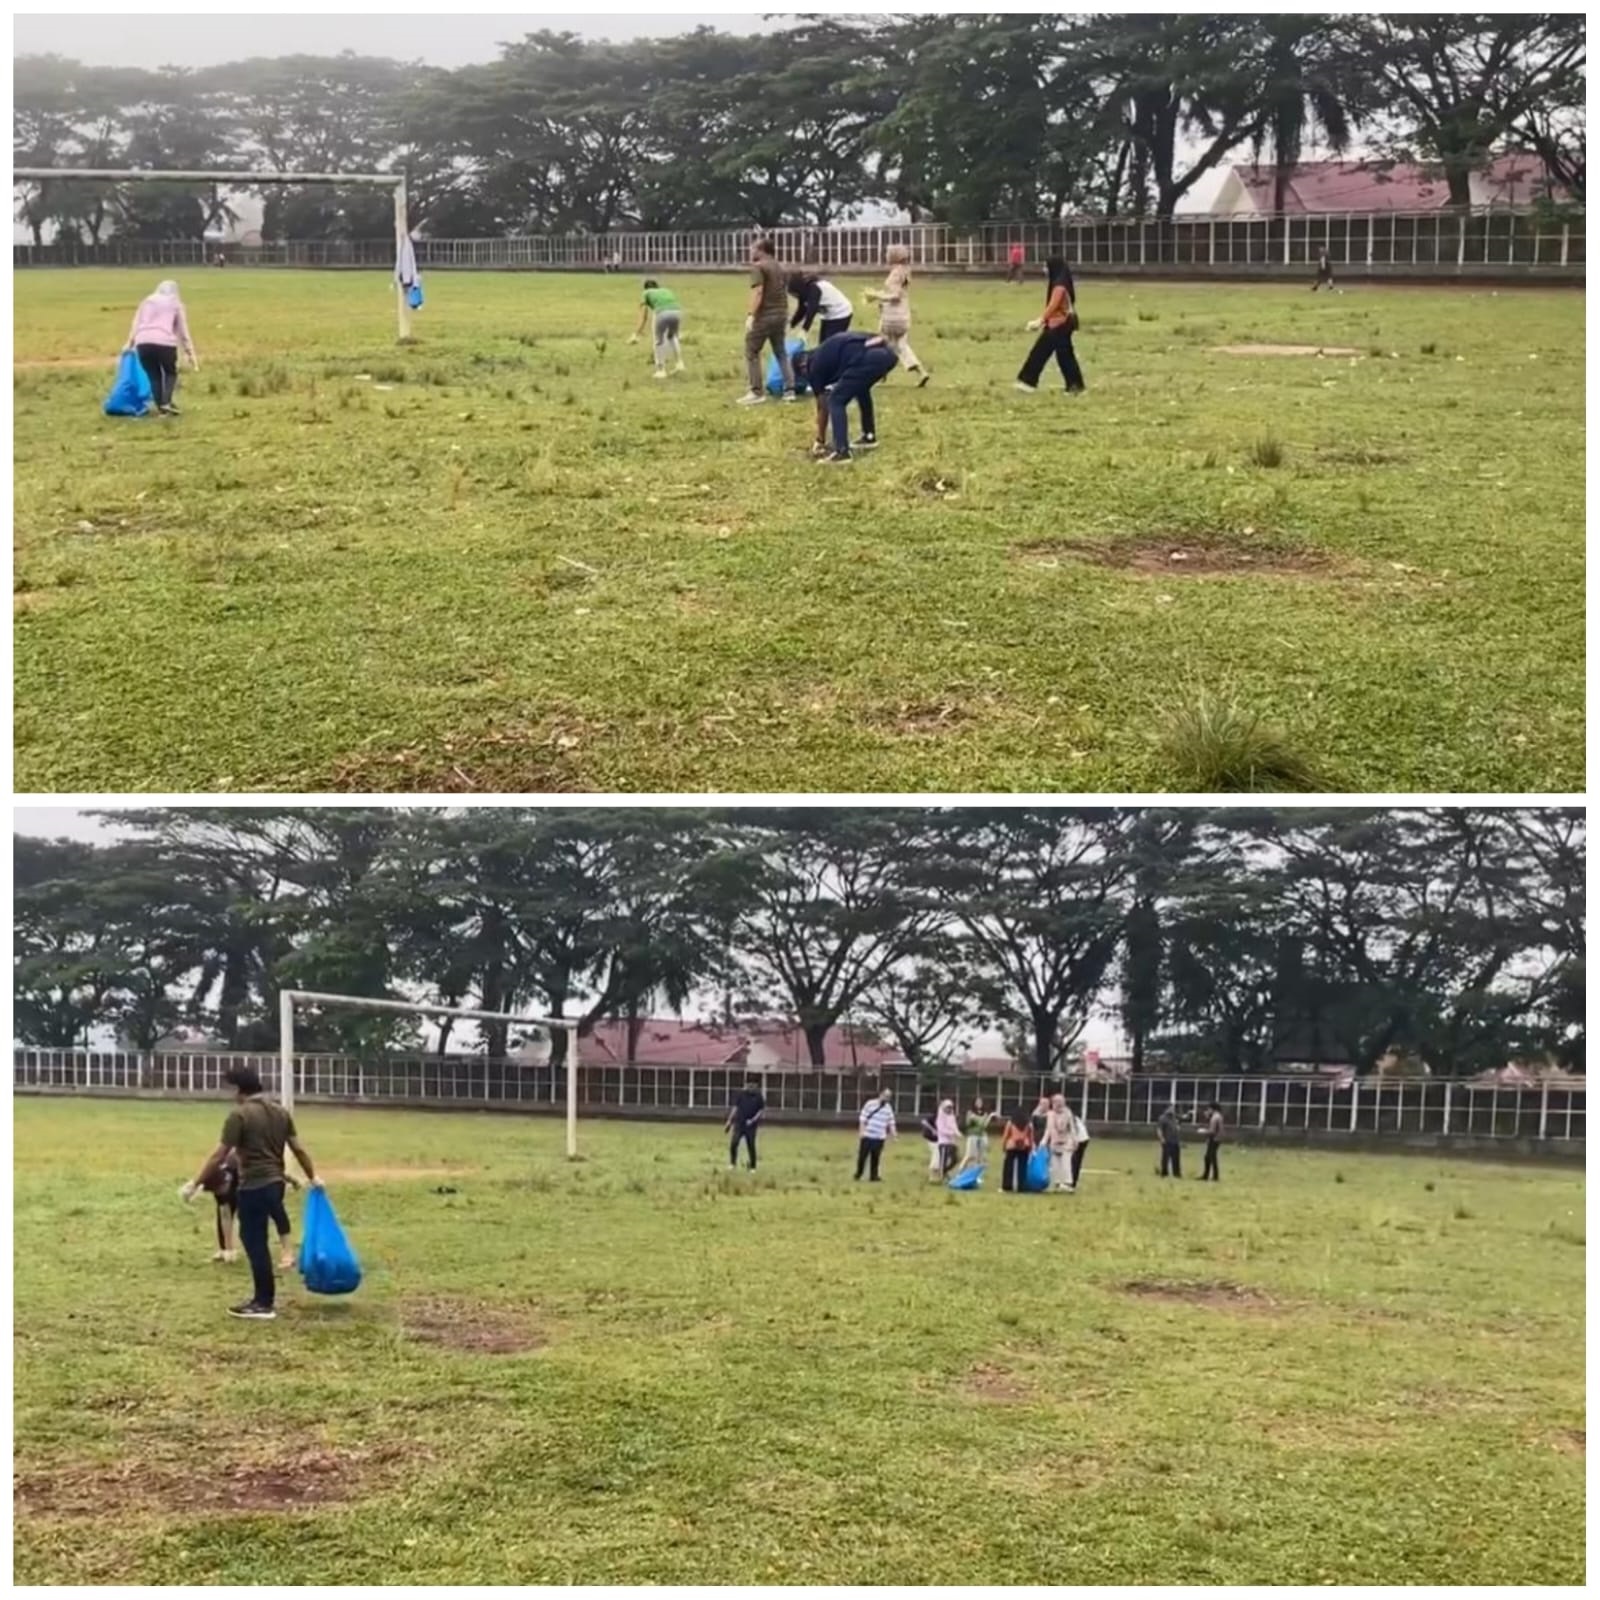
column 160, row 326
column 662, row 304
column 816, row 297
column 842, row 370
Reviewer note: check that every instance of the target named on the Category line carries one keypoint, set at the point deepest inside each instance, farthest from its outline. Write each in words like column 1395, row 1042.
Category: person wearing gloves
column 767, row 323
column 893, row 301
column 816, row 297
column 1055, row 328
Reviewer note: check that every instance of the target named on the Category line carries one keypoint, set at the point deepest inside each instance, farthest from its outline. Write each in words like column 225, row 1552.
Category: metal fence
column 1302, row 1104
column 1531, row 243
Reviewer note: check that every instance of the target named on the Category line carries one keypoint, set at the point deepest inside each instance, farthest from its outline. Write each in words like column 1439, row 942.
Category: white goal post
column 288, row 999
column 384, row 180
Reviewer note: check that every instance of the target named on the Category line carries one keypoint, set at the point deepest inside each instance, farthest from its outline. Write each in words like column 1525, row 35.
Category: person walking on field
column 1170, row 1133
column 877, row 1129
column 948, row 1133
column 1213, row 1143
column 1055, row 330
column 259, row 1130
column 662, row 304
column 1060, row 1139
column 767, row 323
column 894, row 312
column 1324, row 271
column 1018, row 1143
column 743, row 1121
column 1018, row 258
column 160, row 328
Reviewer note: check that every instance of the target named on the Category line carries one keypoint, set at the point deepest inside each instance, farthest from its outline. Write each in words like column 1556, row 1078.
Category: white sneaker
column 751, row 400
column 790, row 397
column 680, row 368
column 661, row 372
column 1026, row 388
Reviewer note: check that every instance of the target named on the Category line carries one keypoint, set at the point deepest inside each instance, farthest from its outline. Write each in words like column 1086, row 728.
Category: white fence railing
column 1537, row 243
column 1303, row 1104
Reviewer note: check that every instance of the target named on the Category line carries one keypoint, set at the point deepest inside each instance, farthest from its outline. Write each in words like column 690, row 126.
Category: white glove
column 749, row 324
column 1035, row 325
column 188, row 1191
column 633, row 338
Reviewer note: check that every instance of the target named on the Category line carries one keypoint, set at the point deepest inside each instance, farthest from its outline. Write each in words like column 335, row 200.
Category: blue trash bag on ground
column 327, row 1263
column 131, row 394
column 775, row 376
column 1036, row 1179
column 967, row 1178
column 414, row 297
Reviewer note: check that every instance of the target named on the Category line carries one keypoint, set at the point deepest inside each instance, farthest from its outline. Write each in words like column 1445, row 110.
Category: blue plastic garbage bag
column 967, row 1178
column 1036, row 1179
column 131, row 393
column 414, row 297
column 775, row 375
column 327, row 1263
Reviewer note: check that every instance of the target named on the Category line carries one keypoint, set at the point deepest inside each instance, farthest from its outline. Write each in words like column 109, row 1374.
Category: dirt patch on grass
column 1569, row 1441
column 469, row 1327
column 536, row 760
column 994, row 1385
column 1217, row 1293
column 919, row 718
column 279, row 1483
column 1285, row 350
column 1184, row 555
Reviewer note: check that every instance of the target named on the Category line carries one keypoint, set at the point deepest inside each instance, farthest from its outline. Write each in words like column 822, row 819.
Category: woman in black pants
column 160, row 328
column 1055, row 329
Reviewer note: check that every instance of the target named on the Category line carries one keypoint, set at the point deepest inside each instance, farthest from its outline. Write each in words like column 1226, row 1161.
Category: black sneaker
column 173, row 411
column 249, row 1311
column 866, row 442
column 924, row 380
column 835, row 459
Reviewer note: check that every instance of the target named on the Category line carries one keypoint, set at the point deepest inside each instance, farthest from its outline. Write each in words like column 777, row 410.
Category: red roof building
column 770, row 1046
column 1319, row 188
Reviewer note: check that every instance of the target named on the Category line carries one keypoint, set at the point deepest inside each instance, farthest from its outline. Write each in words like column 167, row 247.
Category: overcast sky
column 442, row 41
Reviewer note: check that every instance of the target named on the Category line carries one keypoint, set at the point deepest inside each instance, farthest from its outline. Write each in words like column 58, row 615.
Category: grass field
column 512, row 561
column 638, row 1368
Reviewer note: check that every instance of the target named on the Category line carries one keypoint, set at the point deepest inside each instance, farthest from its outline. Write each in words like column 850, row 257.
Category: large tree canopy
column 963, row 118
column 1224, row 939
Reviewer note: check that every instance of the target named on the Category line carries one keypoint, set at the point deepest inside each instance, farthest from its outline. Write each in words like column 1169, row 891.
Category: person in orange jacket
column 1018, row 1142
column 1055, row 329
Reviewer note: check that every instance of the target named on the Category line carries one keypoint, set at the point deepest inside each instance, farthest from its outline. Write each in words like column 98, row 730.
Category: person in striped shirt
column 877, row 1129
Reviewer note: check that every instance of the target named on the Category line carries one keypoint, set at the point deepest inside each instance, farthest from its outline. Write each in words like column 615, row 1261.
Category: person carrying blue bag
column 259, row 1130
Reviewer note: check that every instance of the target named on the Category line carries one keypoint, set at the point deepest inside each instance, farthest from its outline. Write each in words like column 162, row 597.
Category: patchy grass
column 645, row 1368
column 1220, row 746
column 504, row 558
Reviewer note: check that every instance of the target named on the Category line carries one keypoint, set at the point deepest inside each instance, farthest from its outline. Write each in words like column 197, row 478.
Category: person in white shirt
column 816, row 297
column 877, row 1128
column 1061, row 1139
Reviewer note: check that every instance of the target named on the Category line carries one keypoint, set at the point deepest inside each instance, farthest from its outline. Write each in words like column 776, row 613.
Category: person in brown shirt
column 257, row 1131
column 767, row 323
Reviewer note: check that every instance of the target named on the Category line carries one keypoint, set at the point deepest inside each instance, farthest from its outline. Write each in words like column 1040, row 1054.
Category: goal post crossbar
column 388, row 180
column 288, row 999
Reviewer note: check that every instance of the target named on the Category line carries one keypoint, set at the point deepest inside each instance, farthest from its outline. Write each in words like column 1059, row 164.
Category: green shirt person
column 662, row 304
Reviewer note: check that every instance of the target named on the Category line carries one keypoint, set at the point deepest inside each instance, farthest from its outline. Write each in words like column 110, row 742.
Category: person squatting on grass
column 843, row 369
column 894, row 311
column 258, row 1129
column 1213, row 1143
column 1055, row 330
column 662, row 304
column 767, row 323
column 1018, row 1143
column 160, row 326
column 223, row 1187
column 814, row 297
column 743, row 1120
column 1060, row 1138
column 1170, row 1133
column 877, row 1128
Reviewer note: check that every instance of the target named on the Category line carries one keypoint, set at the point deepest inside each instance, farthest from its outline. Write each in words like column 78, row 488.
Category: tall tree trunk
column 817, row 1042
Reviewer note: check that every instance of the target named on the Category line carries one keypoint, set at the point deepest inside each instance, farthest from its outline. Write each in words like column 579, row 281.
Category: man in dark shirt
column 743, row 1121
column 842, row 369
column 1213, row 1142
column 257, row 1131
column 1170, row 1135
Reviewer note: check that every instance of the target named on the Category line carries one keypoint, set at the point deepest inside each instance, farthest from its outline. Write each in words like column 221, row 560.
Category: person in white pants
column 1061, row 1139
column 894, row 311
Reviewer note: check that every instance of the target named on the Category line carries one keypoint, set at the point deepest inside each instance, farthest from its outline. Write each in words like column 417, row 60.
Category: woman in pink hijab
column 159, row 328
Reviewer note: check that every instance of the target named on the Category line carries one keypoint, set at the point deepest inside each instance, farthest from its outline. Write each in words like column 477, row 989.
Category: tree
column 57, row 976
column 1309, row 81
column 928, row 1004
column 1037, row 895
column 1457, row 83
column 821, row 903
